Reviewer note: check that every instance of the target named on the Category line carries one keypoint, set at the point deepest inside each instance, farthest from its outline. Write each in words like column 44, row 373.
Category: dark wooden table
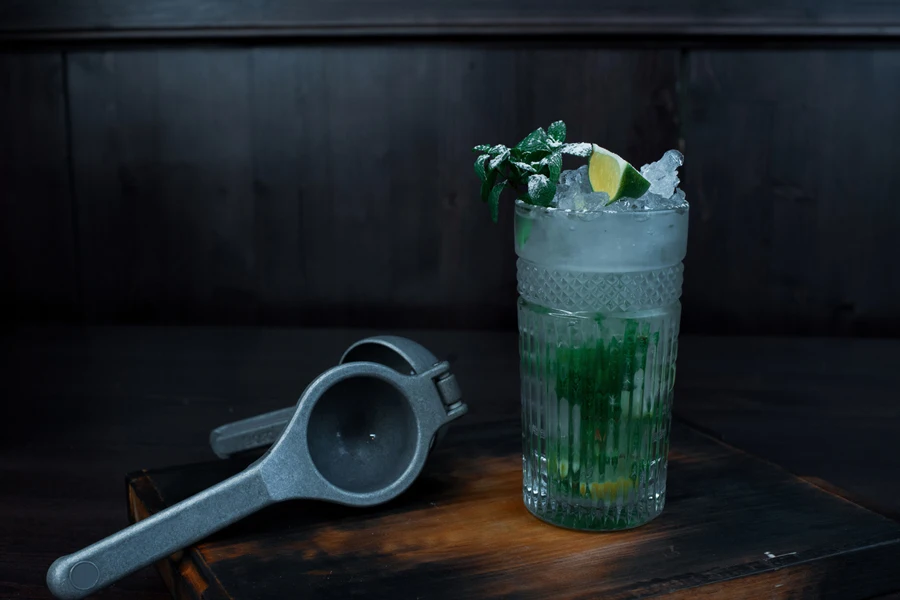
column 84, row 406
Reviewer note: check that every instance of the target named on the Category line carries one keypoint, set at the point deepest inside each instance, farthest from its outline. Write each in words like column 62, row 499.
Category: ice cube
column 663, row 174
column 577, row 178
column 594, row 201
column 566, row 197
column 572, row 188
column 648, row 202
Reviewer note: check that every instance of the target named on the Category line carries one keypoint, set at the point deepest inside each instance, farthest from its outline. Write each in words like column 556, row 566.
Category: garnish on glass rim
column 531, row 168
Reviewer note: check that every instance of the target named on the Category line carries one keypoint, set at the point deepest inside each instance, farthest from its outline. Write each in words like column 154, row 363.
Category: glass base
column 599, row 517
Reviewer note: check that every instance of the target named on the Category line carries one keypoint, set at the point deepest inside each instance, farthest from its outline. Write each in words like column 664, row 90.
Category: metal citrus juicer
column 401, row 354
column 359, row 435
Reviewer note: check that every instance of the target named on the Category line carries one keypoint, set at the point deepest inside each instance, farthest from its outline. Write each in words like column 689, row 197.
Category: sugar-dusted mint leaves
column 553, row 162
column 557, row 131
column 535, row 145
column 540, row 190
column 481, row 166
column 580, row 149
column 523, row 167
column 530, row 168
column 494, row 200
column 501, row 156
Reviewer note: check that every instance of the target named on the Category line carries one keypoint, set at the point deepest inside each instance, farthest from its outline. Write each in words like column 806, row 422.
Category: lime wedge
column 609, row 490
column 612, row 174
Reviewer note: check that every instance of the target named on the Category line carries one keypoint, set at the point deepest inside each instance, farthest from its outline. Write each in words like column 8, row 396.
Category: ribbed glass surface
column 596, row 407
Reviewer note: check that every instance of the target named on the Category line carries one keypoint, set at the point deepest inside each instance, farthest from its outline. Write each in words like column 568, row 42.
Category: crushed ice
column 663, row 174
column 574, row 191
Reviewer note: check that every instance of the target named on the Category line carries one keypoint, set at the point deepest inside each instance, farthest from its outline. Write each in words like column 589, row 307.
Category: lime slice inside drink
column 609, row 490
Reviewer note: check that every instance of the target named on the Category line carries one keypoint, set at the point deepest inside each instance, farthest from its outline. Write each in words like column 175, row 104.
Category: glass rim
column 552, row 210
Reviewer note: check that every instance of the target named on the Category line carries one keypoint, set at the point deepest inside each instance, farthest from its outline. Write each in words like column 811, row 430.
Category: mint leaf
column 499, row 159
column 535, row 142
column 549, row 194
column 531, row 168
column 524, row 167
column 557, row 131
column 580, row 149
column 480, row 166
column 487, row 184
column 494, row 201
column 553, row 164
column 541, row 190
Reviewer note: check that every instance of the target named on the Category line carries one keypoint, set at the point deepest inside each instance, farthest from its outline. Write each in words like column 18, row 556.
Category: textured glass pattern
column 610, row 292
column 596, row 403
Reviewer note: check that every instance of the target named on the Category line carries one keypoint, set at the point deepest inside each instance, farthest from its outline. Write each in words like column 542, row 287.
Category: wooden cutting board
column 734, row 526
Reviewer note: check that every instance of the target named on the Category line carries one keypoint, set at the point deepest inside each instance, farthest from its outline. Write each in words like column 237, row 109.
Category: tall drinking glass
column 598, row 312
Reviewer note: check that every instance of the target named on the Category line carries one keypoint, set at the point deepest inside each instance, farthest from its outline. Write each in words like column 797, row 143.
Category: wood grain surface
column 463, row 530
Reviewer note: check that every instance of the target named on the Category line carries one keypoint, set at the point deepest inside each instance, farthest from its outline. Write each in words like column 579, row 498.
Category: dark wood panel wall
column 255, row 164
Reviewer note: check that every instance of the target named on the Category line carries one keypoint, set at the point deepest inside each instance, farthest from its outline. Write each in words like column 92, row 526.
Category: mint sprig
column 531, row 168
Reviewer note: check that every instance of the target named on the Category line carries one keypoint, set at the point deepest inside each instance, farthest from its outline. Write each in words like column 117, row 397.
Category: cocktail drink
column 598, row 322
column 599, row 285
